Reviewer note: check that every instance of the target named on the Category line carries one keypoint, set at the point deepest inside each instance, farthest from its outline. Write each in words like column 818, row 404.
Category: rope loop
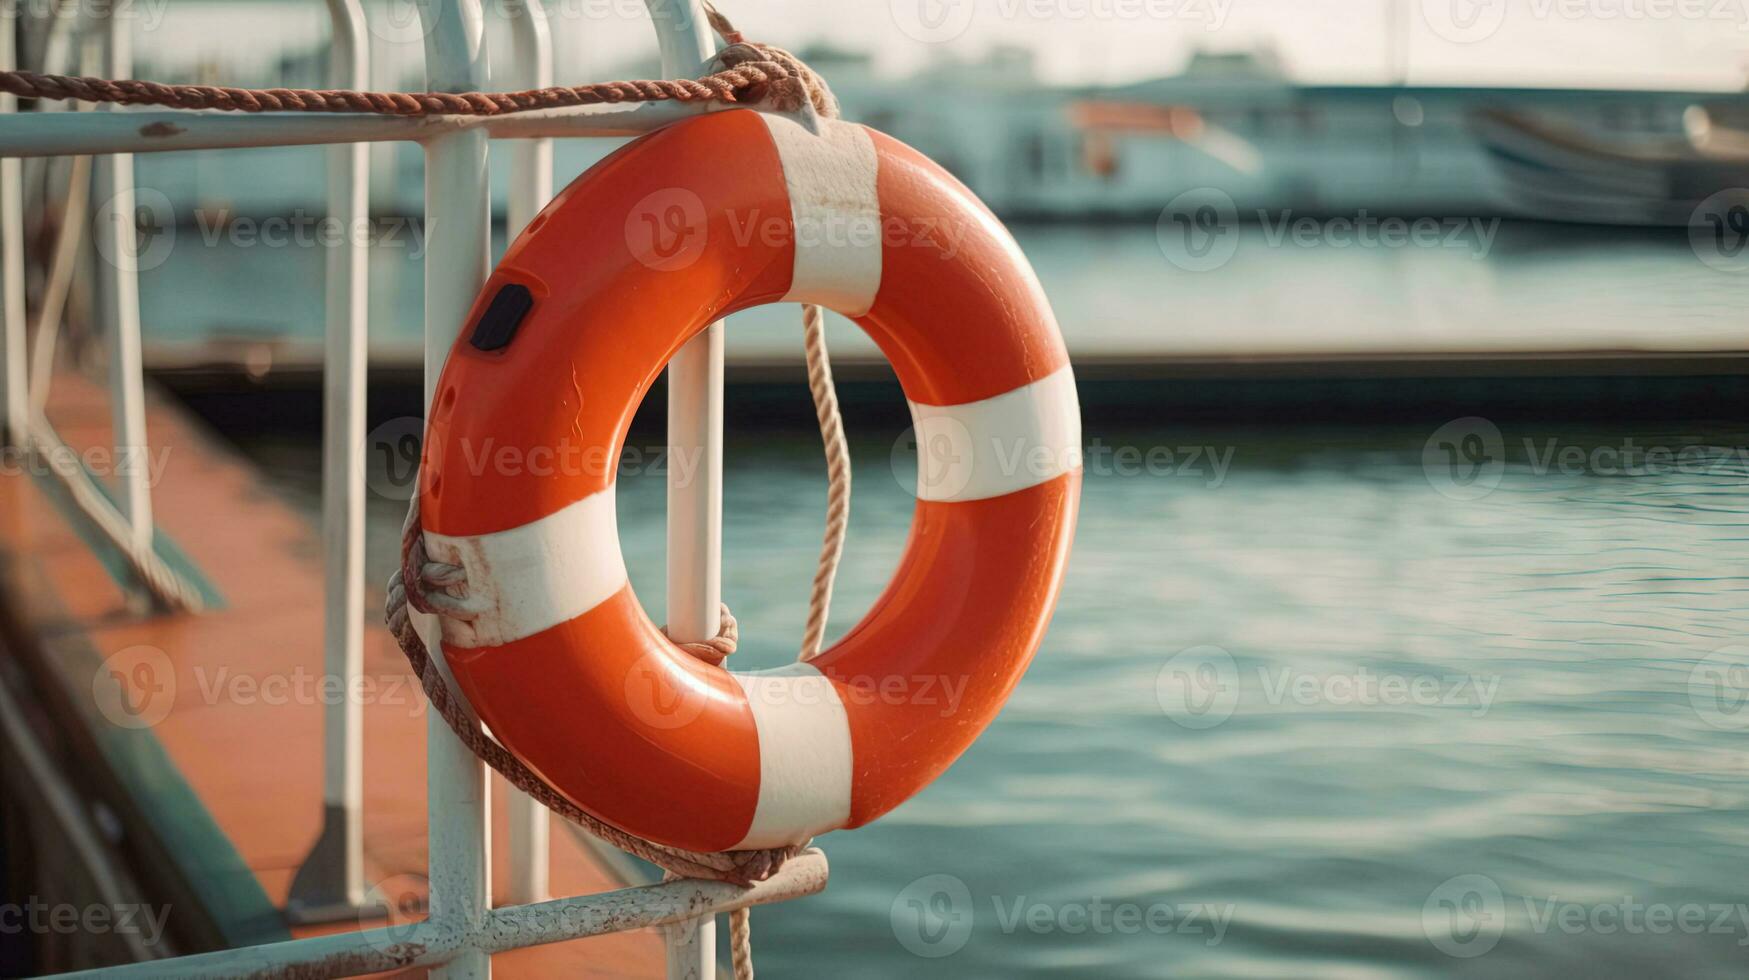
column 407, row 591
column 716, row 649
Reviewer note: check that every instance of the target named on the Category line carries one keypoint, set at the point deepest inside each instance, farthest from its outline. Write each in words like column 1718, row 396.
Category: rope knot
column 433, row 587
column 792, row 86
column 408, row 589
column 716, row 649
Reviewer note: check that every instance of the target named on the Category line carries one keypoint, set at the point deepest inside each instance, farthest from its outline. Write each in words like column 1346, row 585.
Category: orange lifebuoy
column 715, row 214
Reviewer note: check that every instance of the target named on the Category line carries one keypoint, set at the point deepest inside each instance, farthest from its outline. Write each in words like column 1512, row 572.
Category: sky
column 1667, row 44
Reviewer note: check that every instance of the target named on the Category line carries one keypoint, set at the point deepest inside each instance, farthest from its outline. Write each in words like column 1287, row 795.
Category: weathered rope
column 716, row 649
column 825, row 395
column 748, row 74
column 433, row 595
column 730, row 85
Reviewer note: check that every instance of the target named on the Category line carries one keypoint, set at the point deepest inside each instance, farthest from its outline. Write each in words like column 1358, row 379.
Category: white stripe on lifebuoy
column 836, row 213
column 999, row 445
column 804, row 755
column 534, row 577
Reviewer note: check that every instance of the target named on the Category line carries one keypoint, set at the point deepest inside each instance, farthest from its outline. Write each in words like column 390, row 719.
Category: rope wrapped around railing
column 435, row 593
column 747, row 74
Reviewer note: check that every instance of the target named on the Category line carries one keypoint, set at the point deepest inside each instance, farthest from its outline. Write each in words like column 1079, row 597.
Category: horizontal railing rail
column 439, row 941
column 57, row 134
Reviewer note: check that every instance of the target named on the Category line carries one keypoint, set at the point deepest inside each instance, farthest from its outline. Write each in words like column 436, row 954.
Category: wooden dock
column 202, row 733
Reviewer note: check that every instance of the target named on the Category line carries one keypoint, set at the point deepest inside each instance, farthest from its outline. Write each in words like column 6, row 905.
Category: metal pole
column 54, row 55
column 695, row 505
column 531, row 186
column 57, row 134
column 429, row 943
column 457, row 235
column 58, row 52
column 330, row 883
column 12, row 364
column 120, row 277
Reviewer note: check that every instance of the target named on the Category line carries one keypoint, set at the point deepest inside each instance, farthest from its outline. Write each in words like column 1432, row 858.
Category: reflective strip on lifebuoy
column 719, row 213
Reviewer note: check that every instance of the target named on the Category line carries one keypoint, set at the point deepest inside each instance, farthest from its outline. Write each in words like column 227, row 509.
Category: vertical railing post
column 60, row 46
column 121, row 298
column 531, row 186
column 695, row 493
column 457, row 235
column 330, row 883
column 12, row 364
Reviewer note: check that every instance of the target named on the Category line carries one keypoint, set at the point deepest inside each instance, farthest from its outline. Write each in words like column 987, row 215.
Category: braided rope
column 435, row 580
column 716, row 649
column 729, row 85
column 741, row 944
column 825, row 396
column 749, row 74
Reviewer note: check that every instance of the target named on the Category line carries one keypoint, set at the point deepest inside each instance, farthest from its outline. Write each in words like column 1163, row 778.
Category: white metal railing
column 531, row 186
column 12, row 365
column 330, row 883
column 120, row 297
column 462, row 930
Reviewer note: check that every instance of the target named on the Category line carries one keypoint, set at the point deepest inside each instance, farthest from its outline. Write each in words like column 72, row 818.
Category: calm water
column 1302, row 714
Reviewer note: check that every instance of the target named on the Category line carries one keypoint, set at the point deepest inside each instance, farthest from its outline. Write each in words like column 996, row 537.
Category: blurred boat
column 1554, row 169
